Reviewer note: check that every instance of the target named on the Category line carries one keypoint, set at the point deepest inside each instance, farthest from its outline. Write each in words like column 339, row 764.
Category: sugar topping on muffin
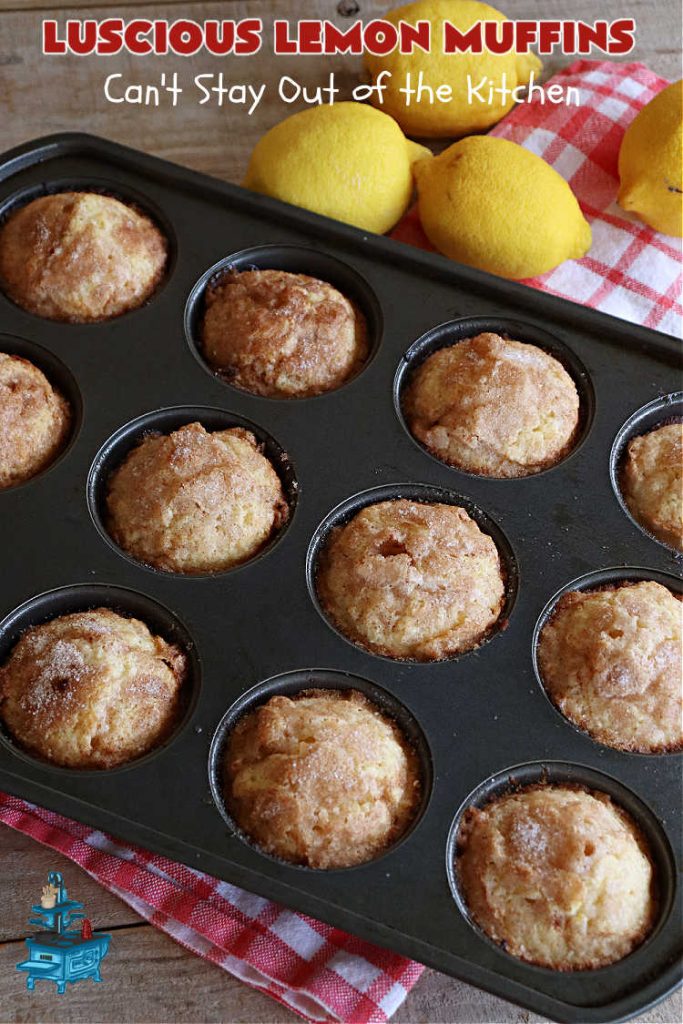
column 492, row 406
column 92, row 689
column 34, row 420
column 322, row 779
column 411, row 580
column 558, row 876
column 194, row 501
column 652, row 482
column 80, row 257
column 611, row 660
column 282, row 335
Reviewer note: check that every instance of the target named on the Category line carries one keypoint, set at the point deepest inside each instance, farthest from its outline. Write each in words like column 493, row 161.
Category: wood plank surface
column 150, row 978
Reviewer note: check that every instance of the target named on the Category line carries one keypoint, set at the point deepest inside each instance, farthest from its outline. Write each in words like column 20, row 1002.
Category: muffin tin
column 481, row 722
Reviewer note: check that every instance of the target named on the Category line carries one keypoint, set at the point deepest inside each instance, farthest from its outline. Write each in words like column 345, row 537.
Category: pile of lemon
column 484, row 201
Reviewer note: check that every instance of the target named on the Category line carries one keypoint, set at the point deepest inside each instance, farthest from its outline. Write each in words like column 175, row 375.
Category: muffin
column 652, row 482
column 34, row 420
column 557, row 876
column 411, row 580
column 91, row 690
column 322, row 779
column 610, row 660
column 282, row 335
column 195, row 502
column 493, row 406
column 80, row 257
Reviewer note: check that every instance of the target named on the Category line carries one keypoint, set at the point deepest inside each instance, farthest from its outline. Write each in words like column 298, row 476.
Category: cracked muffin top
column 92, row 689
column 34, row 420
column 195, row 502
column 322, row 779
column 411, row 580
column 610, row 660
column 493, row 406
column 80, row 257
column 652, row 482
column 557, row 876
column 282, row 335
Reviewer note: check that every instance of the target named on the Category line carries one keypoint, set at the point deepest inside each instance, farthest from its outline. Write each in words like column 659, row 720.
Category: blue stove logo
column 58, row 952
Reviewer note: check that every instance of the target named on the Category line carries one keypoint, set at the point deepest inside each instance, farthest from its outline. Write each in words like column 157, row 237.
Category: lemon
column 344, row 160
column 494, row 205
column 651, row 163
column 457, row 116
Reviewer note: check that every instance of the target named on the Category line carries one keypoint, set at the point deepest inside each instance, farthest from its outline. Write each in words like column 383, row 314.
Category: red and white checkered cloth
column 318, row 971
column 631, row 271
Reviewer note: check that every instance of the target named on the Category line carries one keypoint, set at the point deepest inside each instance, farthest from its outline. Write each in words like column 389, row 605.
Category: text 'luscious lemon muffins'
column 411, row 580
column 194, row 501
column 557, row 876
column 493, row 406
column 322, row 779
column 652, row 482
column 34, row 420
column 80, row 257
column 611, row 661
column 282, row 335
column 92, row 689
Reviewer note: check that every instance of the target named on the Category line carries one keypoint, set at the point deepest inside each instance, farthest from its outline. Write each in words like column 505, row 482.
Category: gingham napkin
column 631, row 271
column 315, row 970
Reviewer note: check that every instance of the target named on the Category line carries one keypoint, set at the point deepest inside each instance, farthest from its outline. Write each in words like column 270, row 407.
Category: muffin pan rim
column 369, row 306
column 592, row 780
column 22, row 618
column 604, row 577
column 100, row 471
column 430, row 342
column 104, row 187
column 285, row 684
column 342, row 514
column 47, row 363
column 630, row 429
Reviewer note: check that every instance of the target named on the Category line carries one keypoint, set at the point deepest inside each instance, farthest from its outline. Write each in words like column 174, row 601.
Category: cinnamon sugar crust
column 611, row 660
column 652, row 482
column 282, row 335
column 34, row 420
column 559, row 876
column 322, row 779
column 411, row 580
column 91, row 690
column 195, row 502
column 80, row 257
column 493, row 406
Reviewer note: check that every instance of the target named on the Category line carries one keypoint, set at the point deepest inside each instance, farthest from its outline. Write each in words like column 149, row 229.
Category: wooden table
column 149, row 977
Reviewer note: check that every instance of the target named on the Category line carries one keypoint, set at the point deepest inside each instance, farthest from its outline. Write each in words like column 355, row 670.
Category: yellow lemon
column 457, row 116
column 344, row 160
column 651, row 163
column 494, row 205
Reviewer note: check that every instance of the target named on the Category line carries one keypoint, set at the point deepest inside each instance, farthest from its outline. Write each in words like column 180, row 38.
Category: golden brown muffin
column 611, row 661
column 80, row 256
column 322, row 779
column 195, row 502
column 411, row 580
column 493, row 406
column 558, row 876
column 91, row 690
column 652, row 482
column 282, row 335
column 34, row 420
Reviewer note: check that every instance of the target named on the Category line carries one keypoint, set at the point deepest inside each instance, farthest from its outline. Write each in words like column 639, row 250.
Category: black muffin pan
column 480, row 722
